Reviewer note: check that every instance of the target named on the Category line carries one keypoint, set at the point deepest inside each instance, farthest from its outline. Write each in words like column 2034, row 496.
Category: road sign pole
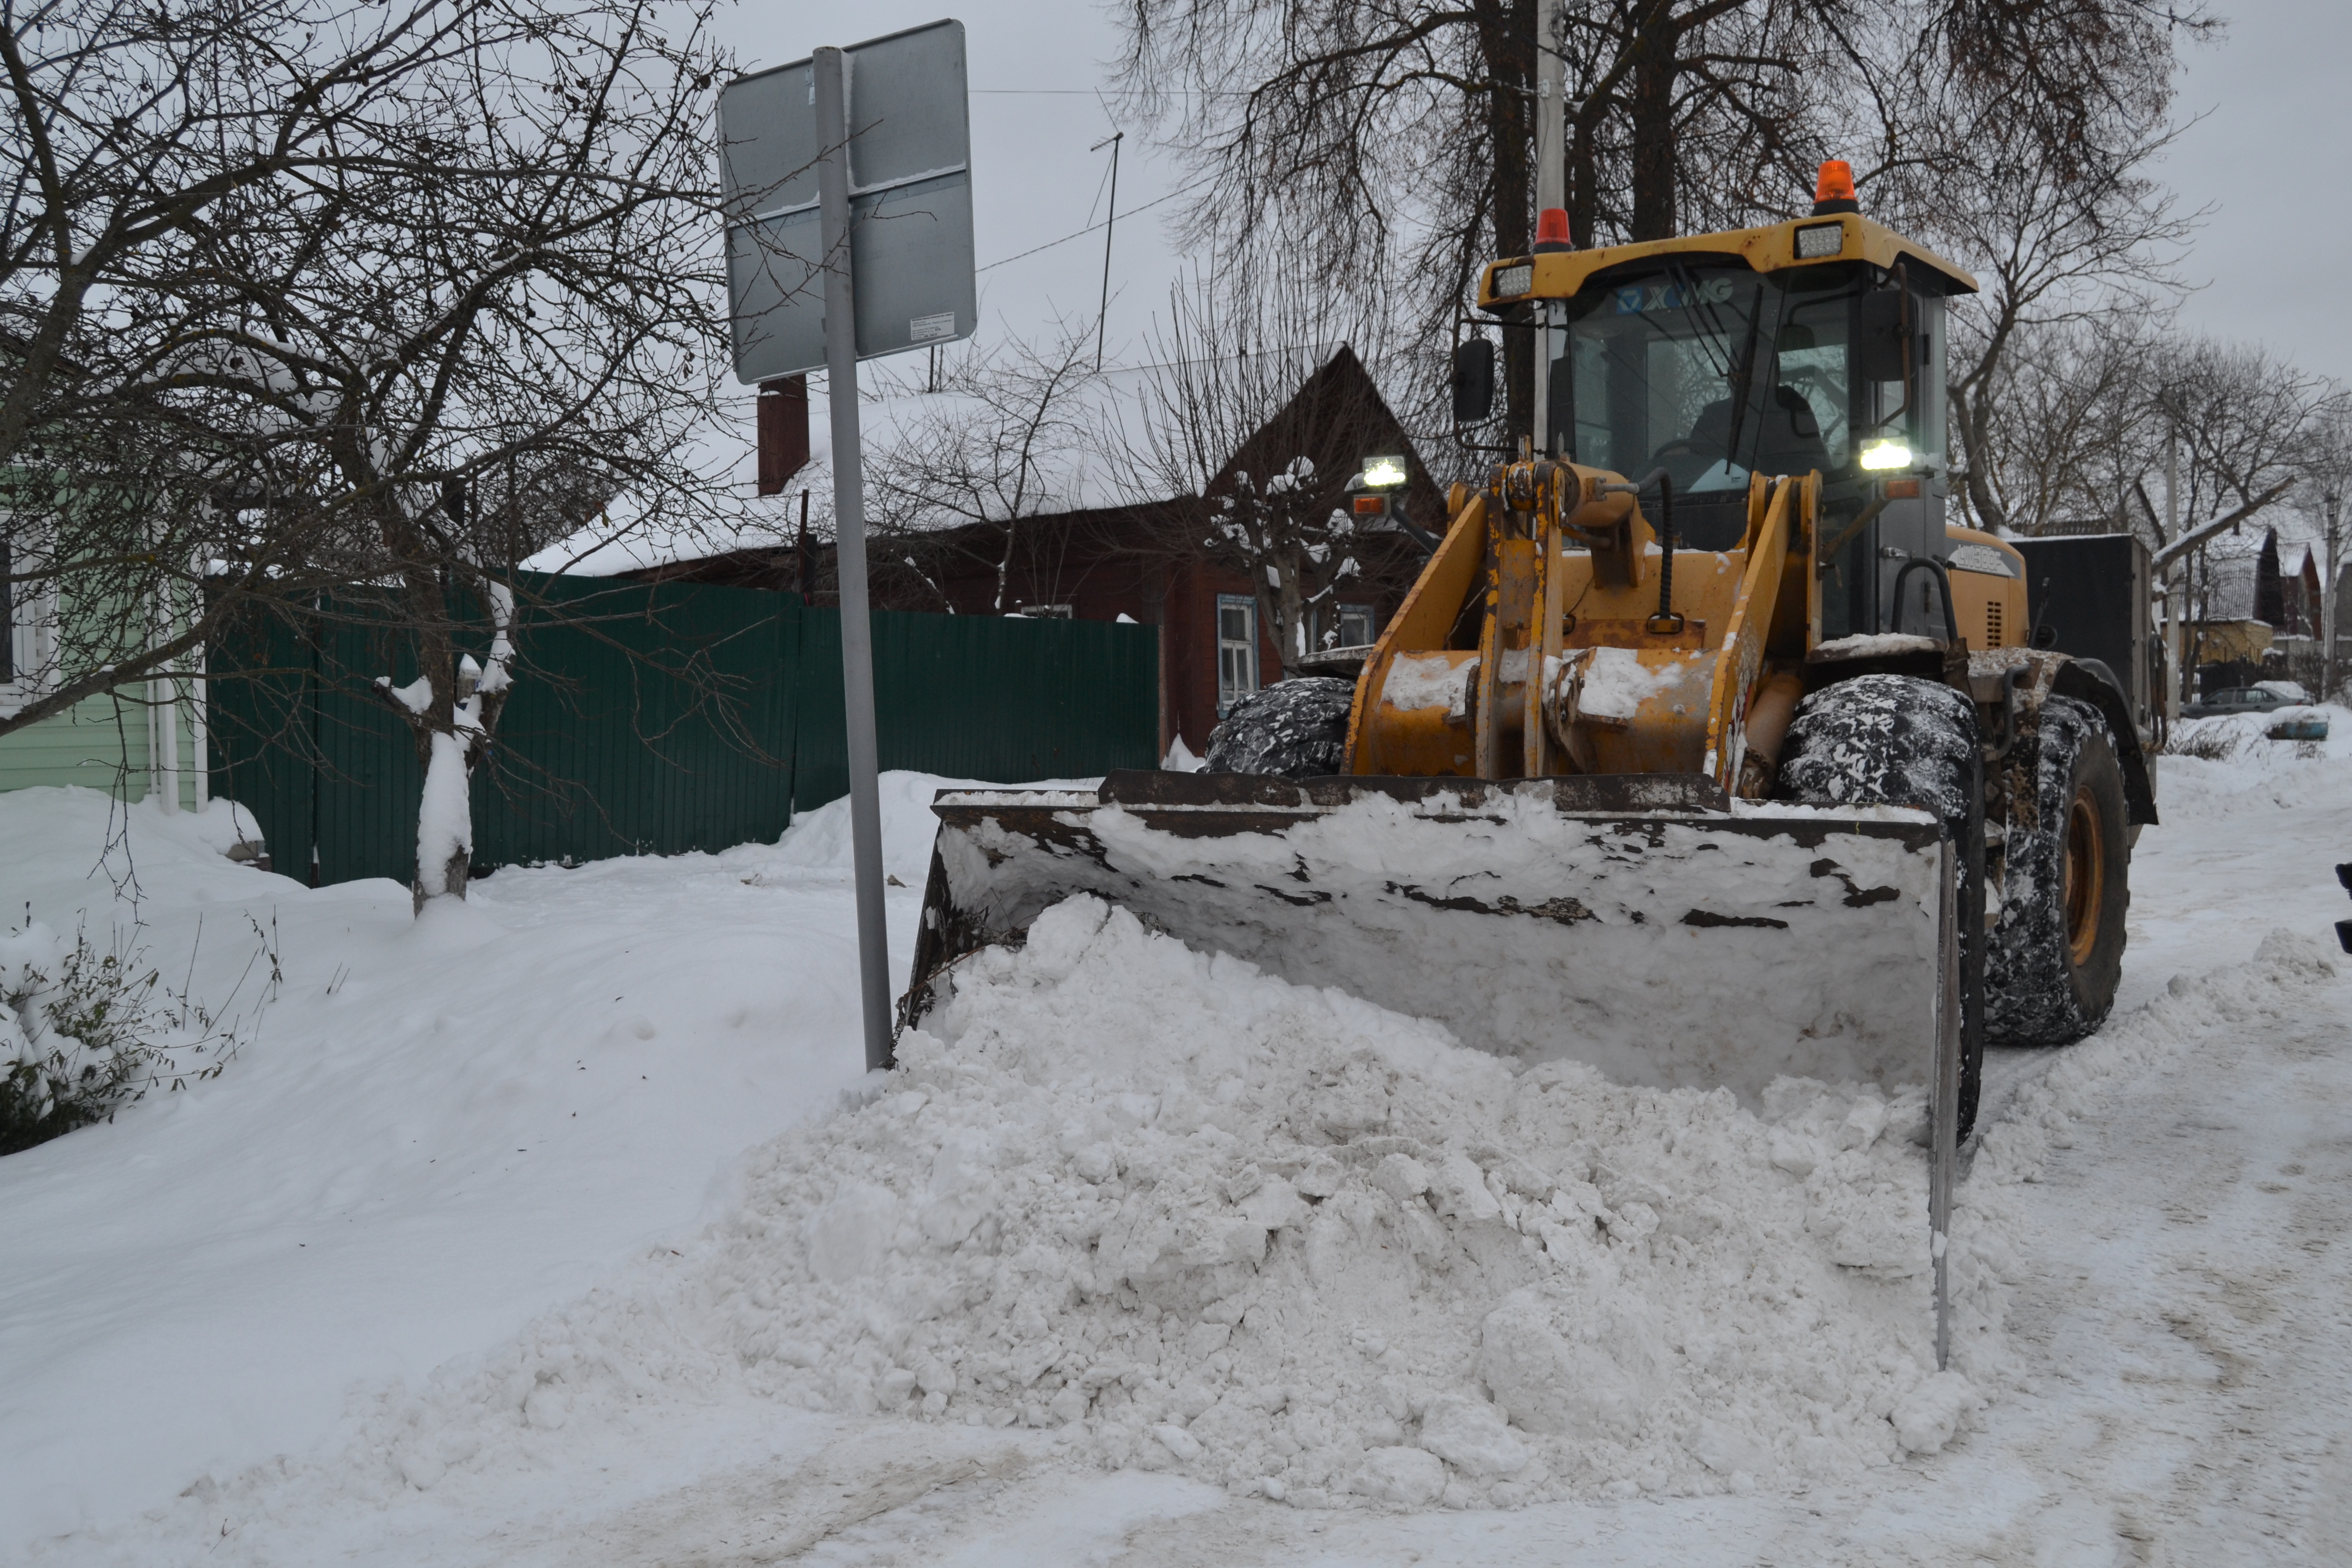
column 850, row 552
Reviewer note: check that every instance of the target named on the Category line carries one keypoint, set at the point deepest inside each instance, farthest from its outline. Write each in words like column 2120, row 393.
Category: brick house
column 1145, row 561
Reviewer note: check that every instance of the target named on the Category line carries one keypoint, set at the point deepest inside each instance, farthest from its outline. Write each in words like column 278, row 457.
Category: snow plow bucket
column 1645, row 924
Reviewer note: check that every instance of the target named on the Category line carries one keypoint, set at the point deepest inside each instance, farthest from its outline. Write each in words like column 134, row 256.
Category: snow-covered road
column 2173, row 1196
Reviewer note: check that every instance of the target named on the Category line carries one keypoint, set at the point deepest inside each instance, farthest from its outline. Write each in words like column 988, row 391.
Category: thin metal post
column 1944, row 1102
column 1551, row 191
column 2327, row 605
column 2175, row 590
column 849, row 553
column 1110, row 227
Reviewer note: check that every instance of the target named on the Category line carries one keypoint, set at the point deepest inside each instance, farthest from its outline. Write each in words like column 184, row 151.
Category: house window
column 27, row 617
column 1351, row 625
column 1236, row 649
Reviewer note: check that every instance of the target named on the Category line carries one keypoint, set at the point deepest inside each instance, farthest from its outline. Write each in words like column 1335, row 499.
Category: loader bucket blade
column 1643, row 925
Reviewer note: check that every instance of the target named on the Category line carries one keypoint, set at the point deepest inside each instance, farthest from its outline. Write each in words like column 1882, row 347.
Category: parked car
column 2237, row 700
column 2297, row 722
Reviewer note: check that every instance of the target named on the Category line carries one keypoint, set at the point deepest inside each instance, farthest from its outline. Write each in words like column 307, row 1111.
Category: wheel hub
column 2085, row 888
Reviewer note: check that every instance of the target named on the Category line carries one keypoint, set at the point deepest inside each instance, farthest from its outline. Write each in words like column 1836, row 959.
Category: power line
column 1091, row 92
column 1081, row 234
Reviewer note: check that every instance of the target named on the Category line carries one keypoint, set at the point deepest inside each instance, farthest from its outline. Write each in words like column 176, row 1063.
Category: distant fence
column 655, row 719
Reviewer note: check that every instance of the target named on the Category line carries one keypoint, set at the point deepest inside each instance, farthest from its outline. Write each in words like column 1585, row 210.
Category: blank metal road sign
column 910, row 204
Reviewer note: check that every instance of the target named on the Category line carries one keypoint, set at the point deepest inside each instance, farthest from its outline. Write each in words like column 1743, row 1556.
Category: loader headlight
column 1383, row 473
column 1882, row 455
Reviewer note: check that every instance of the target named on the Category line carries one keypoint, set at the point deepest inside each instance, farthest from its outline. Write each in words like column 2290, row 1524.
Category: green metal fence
column 981, row 697
column 655, row 719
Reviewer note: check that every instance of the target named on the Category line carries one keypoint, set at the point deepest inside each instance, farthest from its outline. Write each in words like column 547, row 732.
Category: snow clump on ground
column 1198, row 1219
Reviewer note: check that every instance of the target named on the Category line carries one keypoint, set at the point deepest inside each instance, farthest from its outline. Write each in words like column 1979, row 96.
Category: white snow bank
column 1126, row 1187
column 426, row 1139
column 2253, row 772
column 1185, row 1216
column 1111, row 1150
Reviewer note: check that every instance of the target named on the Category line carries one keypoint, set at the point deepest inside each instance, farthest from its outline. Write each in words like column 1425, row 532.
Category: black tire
column 2057, row 950
column 1894, row 740
column 1297, row 728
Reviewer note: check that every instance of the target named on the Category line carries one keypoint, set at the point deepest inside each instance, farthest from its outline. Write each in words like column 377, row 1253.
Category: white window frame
column 1337, row 625
column 31, row 628
column 1237, row 660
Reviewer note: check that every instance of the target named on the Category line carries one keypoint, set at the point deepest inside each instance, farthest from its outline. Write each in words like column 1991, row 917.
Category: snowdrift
column 1126, row 1205
column 1277, row 1238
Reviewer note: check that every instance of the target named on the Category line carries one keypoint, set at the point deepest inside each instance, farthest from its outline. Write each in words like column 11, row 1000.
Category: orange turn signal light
column 1372, row 504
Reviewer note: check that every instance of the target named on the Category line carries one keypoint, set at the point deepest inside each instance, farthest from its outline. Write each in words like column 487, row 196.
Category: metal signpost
column 848, row 186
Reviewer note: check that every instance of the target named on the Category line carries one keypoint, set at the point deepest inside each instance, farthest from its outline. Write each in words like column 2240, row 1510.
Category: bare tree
column 298, row 286
column 2327, row 485
column 2069, row 248
column 1251, row 410
column 1388, row 151
column 1002, row 435
column 2066, row 431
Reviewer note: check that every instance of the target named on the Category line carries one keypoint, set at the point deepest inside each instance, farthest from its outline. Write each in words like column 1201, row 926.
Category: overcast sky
column 2268, row 158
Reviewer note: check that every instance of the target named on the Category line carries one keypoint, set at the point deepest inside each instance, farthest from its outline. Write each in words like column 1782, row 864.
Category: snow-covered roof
column 625, row 537
column 944, row 459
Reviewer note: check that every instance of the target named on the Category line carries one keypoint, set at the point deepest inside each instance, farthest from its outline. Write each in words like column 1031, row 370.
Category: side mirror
column 1879, row 337
column 1474, row 380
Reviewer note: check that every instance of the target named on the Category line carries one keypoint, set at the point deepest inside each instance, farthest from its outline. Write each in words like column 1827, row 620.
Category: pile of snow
column 2247, row 771
column 1128, row 1204
column 1276, row 1237
column 1183, row 1215
column 427, row 1137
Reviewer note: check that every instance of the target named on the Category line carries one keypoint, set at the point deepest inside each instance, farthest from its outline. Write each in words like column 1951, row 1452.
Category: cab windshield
column 1713, row 372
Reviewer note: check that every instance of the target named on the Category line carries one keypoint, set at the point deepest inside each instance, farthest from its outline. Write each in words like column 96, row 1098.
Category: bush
column 2215, row 743
column 83, row 1033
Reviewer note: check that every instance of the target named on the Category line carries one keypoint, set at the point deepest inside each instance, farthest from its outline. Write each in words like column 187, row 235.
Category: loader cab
column 1811, row 345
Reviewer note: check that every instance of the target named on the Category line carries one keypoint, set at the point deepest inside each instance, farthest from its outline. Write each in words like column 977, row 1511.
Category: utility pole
column 1551, row 189
column 2331, row 500
column 2175, row 590
column 1110, row 227
column 849, row 551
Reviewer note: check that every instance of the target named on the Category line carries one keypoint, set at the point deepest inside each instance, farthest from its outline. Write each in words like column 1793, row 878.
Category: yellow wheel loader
column 1702, row 749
